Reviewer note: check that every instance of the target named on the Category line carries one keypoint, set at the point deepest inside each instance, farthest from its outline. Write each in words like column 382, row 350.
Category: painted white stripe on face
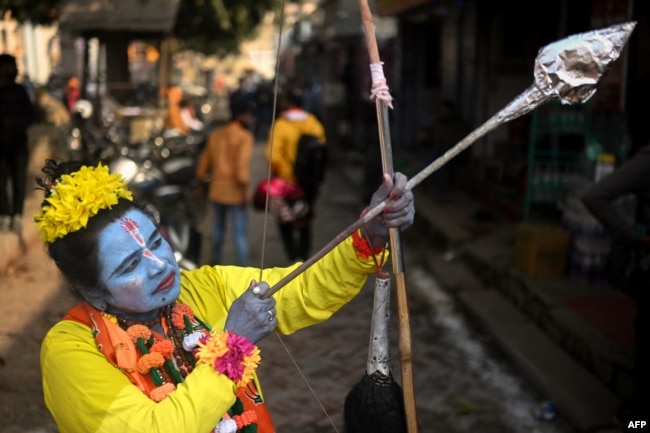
column 131, row 227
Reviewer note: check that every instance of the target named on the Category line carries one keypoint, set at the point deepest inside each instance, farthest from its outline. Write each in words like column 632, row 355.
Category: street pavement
column 469, row 375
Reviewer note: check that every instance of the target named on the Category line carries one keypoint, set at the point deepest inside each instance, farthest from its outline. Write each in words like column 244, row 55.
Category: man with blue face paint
column 150, row 348
column 138, row 267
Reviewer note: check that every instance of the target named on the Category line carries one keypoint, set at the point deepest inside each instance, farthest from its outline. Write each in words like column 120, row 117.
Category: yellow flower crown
column 77, row 197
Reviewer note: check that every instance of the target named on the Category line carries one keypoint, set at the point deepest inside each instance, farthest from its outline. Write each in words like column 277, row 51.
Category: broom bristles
column 375, row 405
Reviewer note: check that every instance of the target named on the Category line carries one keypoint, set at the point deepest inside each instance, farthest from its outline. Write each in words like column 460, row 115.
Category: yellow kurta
column 85, row 393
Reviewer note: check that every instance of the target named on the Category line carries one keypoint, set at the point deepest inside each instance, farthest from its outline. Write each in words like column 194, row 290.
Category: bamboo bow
column 383, row 101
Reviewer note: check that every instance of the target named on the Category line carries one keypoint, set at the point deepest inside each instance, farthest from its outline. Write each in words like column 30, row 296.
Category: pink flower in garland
column 230, row 365
column 231, row 355
column 240, row 344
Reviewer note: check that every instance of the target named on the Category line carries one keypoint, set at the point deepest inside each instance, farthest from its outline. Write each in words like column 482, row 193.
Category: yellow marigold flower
column 76, row 198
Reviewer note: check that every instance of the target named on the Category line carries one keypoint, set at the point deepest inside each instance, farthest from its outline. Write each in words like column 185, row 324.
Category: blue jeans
column 239, row 226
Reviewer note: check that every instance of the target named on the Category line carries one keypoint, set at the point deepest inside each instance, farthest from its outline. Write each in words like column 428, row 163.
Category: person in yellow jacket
column 226, row 159
column 150, row 348
column 281, row 151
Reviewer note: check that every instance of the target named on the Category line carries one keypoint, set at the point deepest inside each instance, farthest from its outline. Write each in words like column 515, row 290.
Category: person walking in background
column 173, row 117
column 188, row 116
column 263, row 110
column 226, row 159
column 314, row 98
column 281, row 153
column 241, row 94
column 72, row 93
column 630, row 178
column 16, row 115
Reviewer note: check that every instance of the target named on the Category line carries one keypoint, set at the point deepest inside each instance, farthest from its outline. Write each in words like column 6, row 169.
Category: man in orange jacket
column 226, row 158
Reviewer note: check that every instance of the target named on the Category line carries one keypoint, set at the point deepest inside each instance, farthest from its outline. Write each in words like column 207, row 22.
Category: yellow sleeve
column 85, row 393
column 312, row 297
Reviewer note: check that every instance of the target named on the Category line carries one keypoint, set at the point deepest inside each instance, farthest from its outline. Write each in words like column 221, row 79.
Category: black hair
column 76, row 254
column 8, row 60
column 241, row 106
column 295, row 96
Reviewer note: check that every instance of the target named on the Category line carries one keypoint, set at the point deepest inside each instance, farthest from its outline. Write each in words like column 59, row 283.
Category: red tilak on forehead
column 131, row 227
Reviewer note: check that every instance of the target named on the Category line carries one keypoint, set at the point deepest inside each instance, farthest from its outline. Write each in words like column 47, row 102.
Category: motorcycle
column 85, row 141
column 164, row 179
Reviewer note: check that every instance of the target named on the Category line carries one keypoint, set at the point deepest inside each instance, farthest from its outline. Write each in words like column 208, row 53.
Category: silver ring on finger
column 271, row 316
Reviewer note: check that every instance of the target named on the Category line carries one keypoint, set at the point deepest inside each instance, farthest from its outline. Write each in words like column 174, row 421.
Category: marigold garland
column 158, row 394
column 246, row 418
column 179, row 313
column 229, row 354
column 164, row 347
column 77, row 197
column 149, row 361
column 139, row 331
column 235, row 423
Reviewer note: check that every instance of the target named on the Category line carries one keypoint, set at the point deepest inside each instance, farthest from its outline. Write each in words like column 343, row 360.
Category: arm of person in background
column 28, row 109
column 204, row 164
column 277, row 157
column 633, row 177
column 174, row 119
column 244, row 164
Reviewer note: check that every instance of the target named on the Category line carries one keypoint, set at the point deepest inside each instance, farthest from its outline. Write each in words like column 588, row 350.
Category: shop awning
column 151, row 16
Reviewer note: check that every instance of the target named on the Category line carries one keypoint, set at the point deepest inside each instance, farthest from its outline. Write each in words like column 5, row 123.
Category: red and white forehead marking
column 132, row 228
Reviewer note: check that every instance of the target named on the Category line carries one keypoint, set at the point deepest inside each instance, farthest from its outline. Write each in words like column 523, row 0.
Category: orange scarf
column 119, row 350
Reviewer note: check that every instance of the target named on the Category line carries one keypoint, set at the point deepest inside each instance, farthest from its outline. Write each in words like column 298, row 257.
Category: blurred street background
column 514, row 327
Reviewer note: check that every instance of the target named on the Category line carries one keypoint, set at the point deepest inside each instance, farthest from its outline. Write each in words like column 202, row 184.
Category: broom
column 568, row 70
column 375, row 404
column 377, row 399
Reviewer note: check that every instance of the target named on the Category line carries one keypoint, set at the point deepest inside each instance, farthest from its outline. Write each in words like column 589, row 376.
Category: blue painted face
column 137, row 266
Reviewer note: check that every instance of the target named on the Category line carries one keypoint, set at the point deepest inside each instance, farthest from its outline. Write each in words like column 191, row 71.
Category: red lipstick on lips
column 166, row 283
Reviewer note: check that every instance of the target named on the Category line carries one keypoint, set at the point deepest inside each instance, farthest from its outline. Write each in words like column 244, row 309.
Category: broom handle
column 533, row 98
column 525, row 102
column 406, row 357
